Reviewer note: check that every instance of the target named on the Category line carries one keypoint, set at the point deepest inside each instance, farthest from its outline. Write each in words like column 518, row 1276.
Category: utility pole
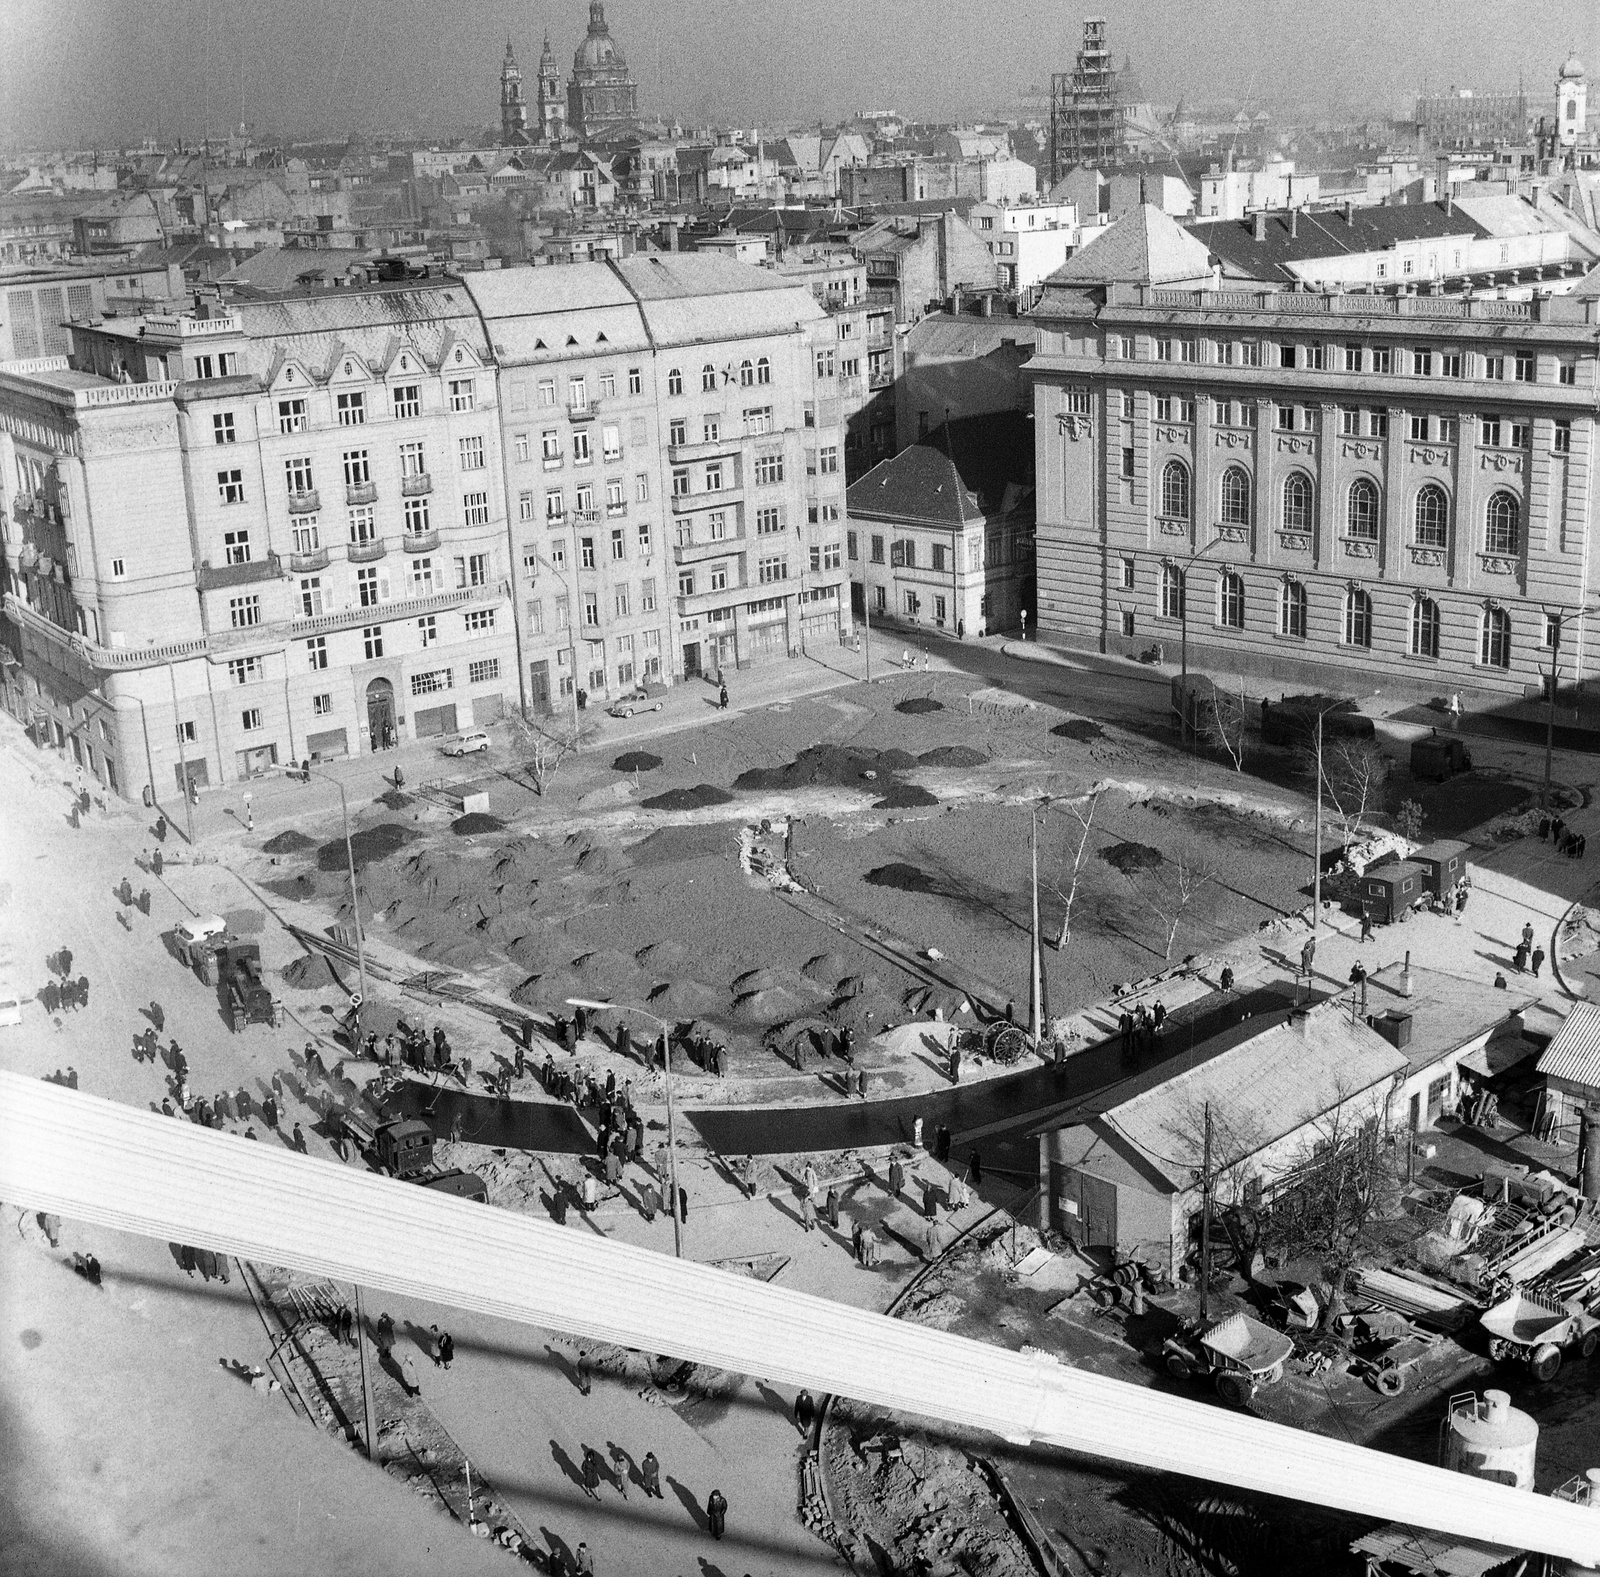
column 1205, row 1223
column 1316, row 873
column 1550, row 709
column 183, row 760
column 672, row 1149
column 866, row 622
column 366, row 1374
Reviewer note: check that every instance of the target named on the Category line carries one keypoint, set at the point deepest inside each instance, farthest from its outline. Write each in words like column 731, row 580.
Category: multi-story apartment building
column 1395, row 487
column 242, row 537
column 674, row 461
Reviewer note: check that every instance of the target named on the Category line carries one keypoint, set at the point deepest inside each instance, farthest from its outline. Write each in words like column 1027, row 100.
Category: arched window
column 1501, row 533
column 1175, row 490
column 674, row 382
column 1172, row 592
column 1361, row 513
column 1230, row 600
column 1236, row 496
column 1424, row 627
column 747, row 374
column 1495, row 648
column 1297, row 502
column 763, row 370
column 1357, row 618
column 1292, row 610
column 708, row 379
column 1433, row 517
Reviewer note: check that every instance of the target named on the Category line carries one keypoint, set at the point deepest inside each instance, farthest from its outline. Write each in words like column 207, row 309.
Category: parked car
column 10, row 1007
column 639, row 700
column 467, row 744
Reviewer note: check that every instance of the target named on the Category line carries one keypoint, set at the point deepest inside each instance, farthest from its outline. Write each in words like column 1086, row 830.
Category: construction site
column 918, row 1126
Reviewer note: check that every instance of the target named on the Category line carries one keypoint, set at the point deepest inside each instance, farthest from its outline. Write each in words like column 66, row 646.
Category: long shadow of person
column 773, row 1400
column 565, row 1463
column 708, row 1570
column 561, row 1558
column 391, row 1367
column 580, row 1381
column 690, row 1504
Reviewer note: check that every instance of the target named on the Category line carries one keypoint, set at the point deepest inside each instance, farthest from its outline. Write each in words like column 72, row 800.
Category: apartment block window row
column 433, row 682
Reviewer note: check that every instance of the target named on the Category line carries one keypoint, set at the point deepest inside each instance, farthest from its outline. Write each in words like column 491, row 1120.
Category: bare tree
column 544, row 744
column 1354, row 773
column 1081, row 812
column 1169, row 888
column 1223, row 724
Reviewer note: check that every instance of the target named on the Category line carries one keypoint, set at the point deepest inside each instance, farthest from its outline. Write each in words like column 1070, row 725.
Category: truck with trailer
column 403, row 1148
column 246, row 997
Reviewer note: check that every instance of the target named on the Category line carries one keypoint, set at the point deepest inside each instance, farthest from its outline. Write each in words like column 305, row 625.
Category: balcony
column 879, row 380
column 307, row 503
column 616, row 511
column 420, row 541
column 366, row 552
column 723, row 498
column 415, row 484
column 728, row 444
column 221, row 578
column 361, row 493
column 304, row 563
column 699, row 552
column 582, row 411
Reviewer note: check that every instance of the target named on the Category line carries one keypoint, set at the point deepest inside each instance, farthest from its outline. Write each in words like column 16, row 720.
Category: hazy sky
column 109, row 70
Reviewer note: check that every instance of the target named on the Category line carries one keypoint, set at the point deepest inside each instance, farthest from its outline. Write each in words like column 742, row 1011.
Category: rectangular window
column 608, row 385
column 244, row 670
column 250, row 719
column 1489, row 432
column 475, row 509
column 1164, row 348
column 644, row 540
column 485, row 671
column 243, row 612
column 686, row 583
column 432, row 682
column 563, row 611
column 1350, row 420
column 317, row 652
column 525, row 504
column 647, row 594
column 297, row 475
column 412, row 462
column 1525, row 368
column 236, row 547
column 877, row 549
column 1561, row 438
column 635, row 380
column 222, row 427
column 1285, row 418
column 471, row 452
column 407, row 398
column 480, row 621
column 1448, row 429
column 680, row 482
column 1567, row 373
column 428, row 629
column 1383, row 360
column 477, row 569
column 586, row 552
column 641, row 488
column 554, row 505
column 352, row 409
column 367, row 588
column 1250, row 353
column 357, row 468
column 422, row 578
column 824, row 363
column 372, row 641
column 714, row 476
column 1127, row 462
column 1163, row 407
column 1418, row 427
column 311, row 599
column 1377, row 424
column 117, row 570
column 463, row 394
column 769, row 469
column 610, row 442
column 363, row 526
column 415, row 517
column 292, row 416
column 582, row 454
column 828, row 461
column 1127, row 406
column 772, row 569
column 1517, row 434
column 939, row 565
column 718, row 578
column 1449, row 364
column 322, row 705
column 547, row 391
column 620, row 602
column 187, row 733
column 1422, row 363
column 619, row 548
column 230, row 486
column 1286, row 357
column 757, row 420
column 1494, row 367
column 678, row 431
column 1352, row 358
column 591, row 609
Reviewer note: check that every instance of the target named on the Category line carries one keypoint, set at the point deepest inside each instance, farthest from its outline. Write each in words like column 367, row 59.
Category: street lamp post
column 1183, row 619
column 572, row 641
column 355, row 897
column 666, row 1067
column 1556, row 622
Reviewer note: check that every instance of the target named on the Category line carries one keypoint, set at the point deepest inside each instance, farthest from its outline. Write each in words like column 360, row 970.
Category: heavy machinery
column 1538, row 1323
column 1239, row 1353
column 403, row 1148
column 195, row 942
column 246, row 997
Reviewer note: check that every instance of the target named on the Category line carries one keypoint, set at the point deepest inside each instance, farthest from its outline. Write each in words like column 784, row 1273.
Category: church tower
column 552, row 110
column 1572, row 93
column 513, row 107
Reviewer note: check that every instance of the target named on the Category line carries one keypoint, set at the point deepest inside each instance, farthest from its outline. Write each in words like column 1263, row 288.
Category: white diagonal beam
column 92, row 1160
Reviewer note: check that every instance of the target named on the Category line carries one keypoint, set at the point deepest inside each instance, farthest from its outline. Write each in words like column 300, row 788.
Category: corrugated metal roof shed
column 1574, row 1053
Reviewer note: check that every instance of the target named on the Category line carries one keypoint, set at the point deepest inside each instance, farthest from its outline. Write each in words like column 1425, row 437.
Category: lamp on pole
column 572, row 640
column 1553, row 625
column 355, row 897
column 665, row 1031
column 1183, row 617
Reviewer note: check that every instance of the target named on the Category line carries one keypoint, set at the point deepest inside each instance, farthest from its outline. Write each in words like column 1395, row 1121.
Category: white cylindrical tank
column 1491, row 1439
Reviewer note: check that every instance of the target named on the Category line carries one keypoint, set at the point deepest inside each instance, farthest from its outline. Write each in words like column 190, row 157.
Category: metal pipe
column 133, row 1170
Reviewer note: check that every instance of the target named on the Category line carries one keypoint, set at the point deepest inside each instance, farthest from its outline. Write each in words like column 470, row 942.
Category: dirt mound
column 696, row 798
column 1131, row 857
column 919, row 703
column 905, row 796
column 952, row 756
column 685, row 999
column 755, row 980
column 301, row 888
column 393, row 799
column 825, row 968
column 636, row 761
column 474, row 822
column 661, row 956
column 773, row 1005
column 604, row 963
column 672, row 845
column 371, row 843
column 310, row 973
column 841, row 766
column 599, row 860
column 900, row 876
column 290, row 842
column 1082, row 729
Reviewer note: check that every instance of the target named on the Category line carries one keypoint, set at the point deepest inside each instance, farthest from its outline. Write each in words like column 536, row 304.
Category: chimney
column 1349, row 211
column 1589, row 1164
column 1261, row 226
column 1294, row 223
column 988, row 303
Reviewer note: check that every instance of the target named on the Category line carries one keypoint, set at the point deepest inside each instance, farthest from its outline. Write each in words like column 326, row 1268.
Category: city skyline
column 98, row 73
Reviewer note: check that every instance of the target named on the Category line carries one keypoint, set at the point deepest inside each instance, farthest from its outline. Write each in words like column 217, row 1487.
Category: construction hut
column 1571, row 1068
column 1388, row 891
column 1444, row 863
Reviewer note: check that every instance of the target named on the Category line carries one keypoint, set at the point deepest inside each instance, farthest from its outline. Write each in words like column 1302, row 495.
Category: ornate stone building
column 513, row 106
column 602, row 98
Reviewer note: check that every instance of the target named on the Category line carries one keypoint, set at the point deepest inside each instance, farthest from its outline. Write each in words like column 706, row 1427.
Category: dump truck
column 403, row 1148
column 246, row 997
column 1238, row 1353
column 1536, row 1324
column 1439, row 756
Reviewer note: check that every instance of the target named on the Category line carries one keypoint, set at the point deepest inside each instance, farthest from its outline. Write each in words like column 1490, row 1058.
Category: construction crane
column 136, row 1171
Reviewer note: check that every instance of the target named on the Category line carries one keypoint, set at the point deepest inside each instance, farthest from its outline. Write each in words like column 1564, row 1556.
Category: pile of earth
column 902, row 878
column 310, row 973
column 1083, row 729
column 905, row 796
column 476, row 821
column 393, row 799
column 701, row 796
column 290, row 842
column 1131, row 857
column 636, row 761
column 367, row 845
column 919, row 703
column 952, row 756
column 838, row 766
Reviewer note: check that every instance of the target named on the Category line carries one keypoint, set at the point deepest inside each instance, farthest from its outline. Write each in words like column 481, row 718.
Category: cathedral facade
column 601, row 98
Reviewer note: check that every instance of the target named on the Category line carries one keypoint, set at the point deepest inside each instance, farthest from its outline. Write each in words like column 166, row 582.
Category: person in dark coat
column 717, row 1505
column 158, row 1017
column 298, row 1140
column 722, row 698
column 650, row 1473
column 831, row 1208
column 941, row 1149
column 955, row 1064
column 52, row 997
column 269, row 1112
column 897, row 1176
column 805, row 1410
column 1519, row 959
column 1537, row 960
column 1226, row 980
column 591, row 1473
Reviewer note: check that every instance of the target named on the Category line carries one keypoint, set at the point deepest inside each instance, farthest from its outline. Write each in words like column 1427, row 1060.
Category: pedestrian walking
column 619, row 1467
column 1308, row 955
column 158, row 1017
column 269, row 1112
column 805, row 1410
column 52, row 997
column 1527, row 935
column 955, row 1064
column 722, row 698
column 650, row 1473
column 1519, row 959
column 276, row 1082
column 1158, row 1016
column 809, row 1177
column 897, row 1176
column 808, row 1213
column 717, row 1513
column 591, row 1192
column 1226, row 979
column 591, row 1473
column 1125, row 1024
column 855, row 1243
column 1538, row 958
column 65, row 961
column 869, row 1248
column 298, row 1139
column 957, row 1194
column 933, row 1241
column 831, row 1209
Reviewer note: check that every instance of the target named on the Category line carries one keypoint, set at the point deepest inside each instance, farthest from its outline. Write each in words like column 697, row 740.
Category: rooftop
column 1447, row 1011
column 1574, row 1052
column 969, row 469
column 1145, row 246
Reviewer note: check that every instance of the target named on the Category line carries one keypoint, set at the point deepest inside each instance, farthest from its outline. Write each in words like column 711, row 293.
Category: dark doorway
column 380, row 714
column 691, row 659
column 539, row 687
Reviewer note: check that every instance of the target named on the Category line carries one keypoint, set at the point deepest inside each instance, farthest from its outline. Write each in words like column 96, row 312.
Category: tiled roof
column 1574, row 1051
column 970, row 468
column 1145, row 246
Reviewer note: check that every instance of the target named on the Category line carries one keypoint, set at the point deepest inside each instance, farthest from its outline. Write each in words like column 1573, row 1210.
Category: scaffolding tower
column 1086, row 123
